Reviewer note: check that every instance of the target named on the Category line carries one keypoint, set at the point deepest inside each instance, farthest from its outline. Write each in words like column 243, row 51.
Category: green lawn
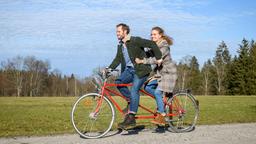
column 51, row 115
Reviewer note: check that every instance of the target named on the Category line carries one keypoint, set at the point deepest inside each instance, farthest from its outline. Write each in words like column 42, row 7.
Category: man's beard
column 121, row 37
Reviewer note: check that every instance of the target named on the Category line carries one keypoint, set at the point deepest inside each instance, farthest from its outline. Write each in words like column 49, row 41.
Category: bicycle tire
column 181, row 121
column 83, row 114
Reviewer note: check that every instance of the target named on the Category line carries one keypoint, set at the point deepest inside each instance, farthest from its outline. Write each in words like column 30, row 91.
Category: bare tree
column 57, row 83
column 206, row 75
column 73, row 85
column 183, row 70
column 36, row 70
column 14, row 68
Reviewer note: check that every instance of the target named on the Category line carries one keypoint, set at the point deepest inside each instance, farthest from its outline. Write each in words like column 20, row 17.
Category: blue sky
column 79, row 35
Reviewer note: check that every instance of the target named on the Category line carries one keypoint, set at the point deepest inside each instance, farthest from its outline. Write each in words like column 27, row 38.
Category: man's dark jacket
column 135, row 47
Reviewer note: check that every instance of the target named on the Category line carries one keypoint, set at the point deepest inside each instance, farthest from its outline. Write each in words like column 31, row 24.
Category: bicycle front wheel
column 183, row 111
column 89, row 122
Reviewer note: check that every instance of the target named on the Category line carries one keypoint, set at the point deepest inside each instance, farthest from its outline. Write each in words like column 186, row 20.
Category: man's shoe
column 159, row 120
column 128, row 122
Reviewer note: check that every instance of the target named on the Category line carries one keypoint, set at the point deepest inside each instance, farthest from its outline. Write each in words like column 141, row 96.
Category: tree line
column 28, row 76
column 221, row 75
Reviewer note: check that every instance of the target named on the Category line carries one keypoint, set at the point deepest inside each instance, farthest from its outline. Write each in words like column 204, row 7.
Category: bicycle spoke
column 92, row 109
column 185, row 112
column 86, row 126
column 92, row 125
column 184, row 108
column 89, row 123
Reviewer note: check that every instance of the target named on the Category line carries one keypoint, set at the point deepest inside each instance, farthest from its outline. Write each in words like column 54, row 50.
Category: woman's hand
column 159, row 62
column 139, row 61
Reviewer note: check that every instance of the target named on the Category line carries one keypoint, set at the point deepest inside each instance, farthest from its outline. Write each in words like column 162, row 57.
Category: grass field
column 51, row 115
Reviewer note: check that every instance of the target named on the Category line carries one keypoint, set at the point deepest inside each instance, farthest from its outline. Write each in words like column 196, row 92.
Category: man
column 128, row 49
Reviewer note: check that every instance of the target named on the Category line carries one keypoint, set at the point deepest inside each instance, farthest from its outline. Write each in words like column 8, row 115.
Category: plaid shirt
column 166, row 74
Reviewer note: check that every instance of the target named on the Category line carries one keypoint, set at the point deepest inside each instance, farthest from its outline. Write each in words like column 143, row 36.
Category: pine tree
column 239, row 70
column 252, row 69
column 194, row 76
column 221, row 62
column 233, row 83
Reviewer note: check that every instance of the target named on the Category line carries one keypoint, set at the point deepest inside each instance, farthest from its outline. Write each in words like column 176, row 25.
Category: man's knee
column 118, row 81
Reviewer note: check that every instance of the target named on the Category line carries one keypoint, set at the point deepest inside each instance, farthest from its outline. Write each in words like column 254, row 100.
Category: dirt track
column 221, row 134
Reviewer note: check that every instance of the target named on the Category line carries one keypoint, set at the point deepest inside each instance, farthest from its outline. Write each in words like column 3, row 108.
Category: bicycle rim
column 185, row 112
column 88, row 122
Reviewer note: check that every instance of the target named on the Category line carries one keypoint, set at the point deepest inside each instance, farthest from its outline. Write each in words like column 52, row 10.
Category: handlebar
column 102, row 77
column 107, row 72
column 111, row 70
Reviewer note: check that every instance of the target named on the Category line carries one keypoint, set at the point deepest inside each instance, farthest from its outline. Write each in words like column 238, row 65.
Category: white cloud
column 59, row 29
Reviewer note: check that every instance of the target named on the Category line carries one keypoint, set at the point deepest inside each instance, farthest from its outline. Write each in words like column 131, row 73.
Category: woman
column 163, row 81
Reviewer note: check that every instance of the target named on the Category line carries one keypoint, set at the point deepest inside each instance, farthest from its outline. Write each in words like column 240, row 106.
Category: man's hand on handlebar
column 106, row 71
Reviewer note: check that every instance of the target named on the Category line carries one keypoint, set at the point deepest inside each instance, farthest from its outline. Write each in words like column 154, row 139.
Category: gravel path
column 221, row 134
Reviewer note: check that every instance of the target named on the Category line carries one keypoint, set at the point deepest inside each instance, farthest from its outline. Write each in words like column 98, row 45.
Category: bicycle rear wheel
column 89, row 123
column 184, row 112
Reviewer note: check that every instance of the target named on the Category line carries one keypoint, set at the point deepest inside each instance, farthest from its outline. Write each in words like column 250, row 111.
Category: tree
column 194, row 80
column 238, row 83
column 56, row 81
column 30, row 76
column 73, row 85
column 221, row 61
column 233, row 83
column 3, row 82
column 183, row 70
column 251, row 83
column 67, row 84
column 207, row 74
column 37, row 71
column 15, row 73
column 189, row 74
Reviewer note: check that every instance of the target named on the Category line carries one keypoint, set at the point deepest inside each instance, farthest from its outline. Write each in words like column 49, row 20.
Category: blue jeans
column 151, row 88
column 129, row 76
column 125, row 78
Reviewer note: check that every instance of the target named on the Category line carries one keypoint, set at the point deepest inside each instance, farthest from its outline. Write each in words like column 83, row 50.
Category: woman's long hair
column 164, row 36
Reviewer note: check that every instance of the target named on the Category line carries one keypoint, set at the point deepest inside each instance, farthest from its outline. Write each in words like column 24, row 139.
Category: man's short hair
column 124, row 27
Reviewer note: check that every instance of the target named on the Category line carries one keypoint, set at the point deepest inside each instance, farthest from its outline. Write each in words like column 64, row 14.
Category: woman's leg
column 151, row 87
column 159, row 101
column 160, row 118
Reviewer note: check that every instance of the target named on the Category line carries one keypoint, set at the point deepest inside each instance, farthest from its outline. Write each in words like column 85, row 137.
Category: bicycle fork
column 93, row 115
